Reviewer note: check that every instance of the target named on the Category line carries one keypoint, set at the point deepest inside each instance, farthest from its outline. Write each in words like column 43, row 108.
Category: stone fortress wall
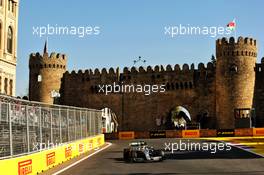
column 209, row 92
column 45, row 75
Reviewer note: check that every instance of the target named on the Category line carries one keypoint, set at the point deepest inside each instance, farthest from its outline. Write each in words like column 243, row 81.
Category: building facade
column 8, row 45
column 226, row 94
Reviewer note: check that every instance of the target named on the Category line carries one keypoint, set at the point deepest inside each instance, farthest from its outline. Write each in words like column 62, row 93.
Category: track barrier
column 202, row 133
column 43, row 160
column 258, row 132
column 128, row 135
column 190, row 133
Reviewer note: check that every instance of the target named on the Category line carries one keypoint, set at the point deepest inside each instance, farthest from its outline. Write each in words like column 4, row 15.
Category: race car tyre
column 126, row 155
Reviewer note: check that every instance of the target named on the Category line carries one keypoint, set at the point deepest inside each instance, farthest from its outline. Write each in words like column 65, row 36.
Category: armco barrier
column 190, row 133
column 127, row 135
column 43, row 160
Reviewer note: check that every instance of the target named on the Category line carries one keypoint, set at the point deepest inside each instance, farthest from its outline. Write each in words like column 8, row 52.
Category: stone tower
column 8, row 45
column 235, row 79
column 45, row 73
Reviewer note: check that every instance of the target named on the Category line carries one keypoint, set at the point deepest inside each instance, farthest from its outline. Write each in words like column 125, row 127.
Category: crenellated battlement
column 212, row 92
column 54, row 60
column 241, row 47
column 96, row 72
column 143, row 70
column 240, row 41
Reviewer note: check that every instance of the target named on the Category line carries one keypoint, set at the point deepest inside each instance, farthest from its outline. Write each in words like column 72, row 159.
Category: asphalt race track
column 109, row 161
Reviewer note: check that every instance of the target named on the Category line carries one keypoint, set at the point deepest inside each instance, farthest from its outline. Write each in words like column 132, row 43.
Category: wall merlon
column 240, row 41
column 55, row 60
column 243, row 47
column 262, row 60
column 185, row 67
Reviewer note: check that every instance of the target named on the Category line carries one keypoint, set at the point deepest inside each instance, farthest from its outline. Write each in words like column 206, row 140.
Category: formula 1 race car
column 141, row 152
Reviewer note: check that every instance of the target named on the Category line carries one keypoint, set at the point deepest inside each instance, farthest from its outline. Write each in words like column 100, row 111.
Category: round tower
column 45, row 73
column 235, row 79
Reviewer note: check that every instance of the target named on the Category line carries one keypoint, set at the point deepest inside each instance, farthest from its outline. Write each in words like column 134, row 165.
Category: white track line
column 248, row 150
column 75, row 163
column 238, row 146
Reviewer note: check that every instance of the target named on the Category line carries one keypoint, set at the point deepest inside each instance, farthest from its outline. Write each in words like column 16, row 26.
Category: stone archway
column 180, row 117
column 205, row 119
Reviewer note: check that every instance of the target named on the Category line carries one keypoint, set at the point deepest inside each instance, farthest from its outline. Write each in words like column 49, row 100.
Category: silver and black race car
column 140, row 152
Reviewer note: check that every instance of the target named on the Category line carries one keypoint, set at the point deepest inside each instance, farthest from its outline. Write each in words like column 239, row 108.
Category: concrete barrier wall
column 244, row 132
column 43, row 160
column 126, row 135
column 258, row 131
column 173, row 134
column 190, row 133
column 142, row 135
column 111, row 136
column 208, row 133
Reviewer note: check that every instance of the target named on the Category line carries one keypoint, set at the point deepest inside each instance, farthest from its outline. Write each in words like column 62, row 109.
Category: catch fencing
column 27, row 127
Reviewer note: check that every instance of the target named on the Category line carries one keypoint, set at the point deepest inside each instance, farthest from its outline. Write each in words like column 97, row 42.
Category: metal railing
column 27, row 127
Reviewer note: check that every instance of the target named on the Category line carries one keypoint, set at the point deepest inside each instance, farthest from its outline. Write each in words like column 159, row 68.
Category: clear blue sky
column 131, row 28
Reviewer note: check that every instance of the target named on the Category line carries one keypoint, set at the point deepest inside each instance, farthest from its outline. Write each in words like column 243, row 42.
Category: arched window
column 11, row 87
column 5, row 85
column 177, row 86
column 0, row 34
column 186, row 85
column 191, row 85
column 10, row 40
column 0, row 84
column 181, row 85
column 168, row 86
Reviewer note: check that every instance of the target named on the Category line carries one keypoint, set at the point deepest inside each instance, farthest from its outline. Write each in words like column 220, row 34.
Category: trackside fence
column 27, row 127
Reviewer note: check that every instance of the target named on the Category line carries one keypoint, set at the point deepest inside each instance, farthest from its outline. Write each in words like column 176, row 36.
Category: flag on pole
column 232, row 25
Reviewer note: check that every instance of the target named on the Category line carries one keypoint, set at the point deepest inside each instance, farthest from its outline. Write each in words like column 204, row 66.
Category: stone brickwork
column 45, row 76
column 9, row 12
column 259, row 94
column 235, row 78
column 210, row 92
column 187, row 87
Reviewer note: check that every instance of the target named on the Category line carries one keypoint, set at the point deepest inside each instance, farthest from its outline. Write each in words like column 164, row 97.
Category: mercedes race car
column 141, row 152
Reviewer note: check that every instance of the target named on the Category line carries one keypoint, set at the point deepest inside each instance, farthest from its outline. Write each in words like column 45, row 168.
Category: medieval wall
column 214, row 95
column 259, row 94
column 191, row 88
column 235, row 78
column 45, row 75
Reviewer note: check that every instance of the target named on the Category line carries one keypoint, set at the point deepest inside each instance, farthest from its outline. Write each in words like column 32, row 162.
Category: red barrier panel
column 190, row 133
column 244, row 132
column 173, row 134
column 126, row 135
column 208, row 133
column 258, row 131
column 142, row 134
